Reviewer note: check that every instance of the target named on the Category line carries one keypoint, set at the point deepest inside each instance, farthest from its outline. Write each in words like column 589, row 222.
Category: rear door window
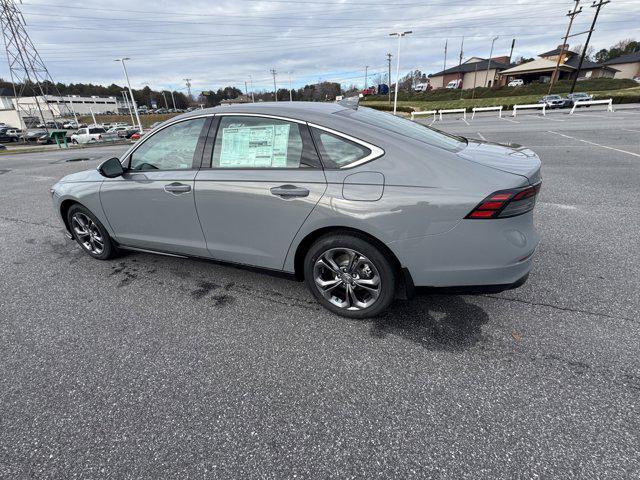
column 251, row 142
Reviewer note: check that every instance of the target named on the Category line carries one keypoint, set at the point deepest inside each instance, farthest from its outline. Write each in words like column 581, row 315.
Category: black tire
column 380, row 264
column 96, row 233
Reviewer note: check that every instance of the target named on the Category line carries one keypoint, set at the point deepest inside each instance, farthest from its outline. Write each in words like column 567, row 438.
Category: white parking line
column 629, row 130
column 595, row 116
column 481, row 137
column 553, row 119
column 465, row 121
column 596, row 144
column 509, row 120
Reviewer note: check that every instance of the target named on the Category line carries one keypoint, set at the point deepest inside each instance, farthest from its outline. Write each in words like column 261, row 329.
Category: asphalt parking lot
column 158, row 367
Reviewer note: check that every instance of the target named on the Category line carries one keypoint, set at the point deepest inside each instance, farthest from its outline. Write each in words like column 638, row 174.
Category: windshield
column 406, row 127
column 553, row 97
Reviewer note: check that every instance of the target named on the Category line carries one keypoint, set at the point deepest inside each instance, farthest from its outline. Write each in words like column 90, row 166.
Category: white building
column 61, row 106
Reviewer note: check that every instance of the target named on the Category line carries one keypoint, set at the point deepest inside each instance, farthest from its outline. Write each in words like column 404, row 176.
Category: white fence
column 579, row 103
column 543, row 106
column 427, row 112
column 487, row 109
column 454, row 110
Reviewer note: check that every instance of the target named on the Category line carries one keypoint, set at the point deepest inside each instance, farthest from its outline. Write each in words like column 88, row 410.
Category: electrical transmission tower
column 29, row 74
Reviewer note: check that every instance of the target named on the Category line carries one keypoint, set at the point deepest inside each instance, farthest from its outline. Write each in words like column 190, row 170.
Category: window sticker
column 262, row 146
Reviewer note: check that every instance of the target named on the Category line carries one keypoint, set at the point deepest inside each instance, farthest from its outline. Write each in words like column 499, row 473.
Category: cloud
column 230, row 42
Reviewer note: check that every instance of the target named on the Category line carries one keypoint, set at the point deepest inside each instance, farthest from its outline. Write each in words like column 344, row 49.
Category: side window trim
column 200, row 145
column 309, row 150
column 376, row 152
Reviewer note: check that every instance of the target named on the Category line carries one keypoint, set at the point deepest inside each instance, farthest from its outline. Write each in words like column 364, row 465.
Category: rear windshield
column 407, row 128
column 96, row 130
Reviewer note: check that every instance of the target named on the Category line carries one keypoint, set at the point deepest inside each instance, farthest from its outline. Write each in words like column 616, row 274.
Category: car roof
column 307, row 111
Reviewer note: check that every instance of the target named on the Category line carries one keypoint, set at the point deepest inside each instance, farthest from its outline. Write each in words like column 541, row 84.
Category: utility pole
column 444, row 66
column 188, row 83
column 460, row 63
column 166, row 105
column 486, row 77
column 366, row 70
column 251, row 83
column 133, row 100
column 399, row 35
column 173, row 100
column 275, row 89
column 126, row 102
column 389, row 75
column 556, row 72
column 513, row 44
column 597, row 6
column 246, row 92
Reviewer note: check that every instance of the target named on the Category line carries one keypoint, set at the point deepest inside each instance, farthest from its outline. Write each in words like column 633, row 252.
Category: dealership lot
column 149, row 366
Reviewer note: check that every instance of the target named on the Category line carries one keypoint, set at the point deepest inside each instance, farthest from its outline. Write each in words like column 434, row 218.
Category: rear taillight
column 506, row 203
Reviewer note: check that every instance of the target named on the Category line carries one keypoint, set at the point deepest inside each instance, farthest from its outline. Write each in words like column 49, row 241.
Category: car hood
column 511, row 158
column 84, row 176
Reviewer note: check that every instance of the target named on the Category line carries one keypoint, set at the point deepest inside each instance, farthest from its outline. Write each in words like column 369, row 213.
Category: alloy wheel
column 347, row 278
column 87, row 233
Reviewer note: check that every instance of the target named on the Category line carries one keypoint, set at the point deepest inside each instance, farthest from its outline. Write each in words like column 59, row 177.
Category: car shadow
column 435, row 322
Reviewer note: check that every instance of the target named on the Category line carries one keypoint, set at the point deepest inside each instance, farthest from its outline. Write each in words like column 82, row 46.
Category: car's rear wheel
column 349, row 275
column 90, row 233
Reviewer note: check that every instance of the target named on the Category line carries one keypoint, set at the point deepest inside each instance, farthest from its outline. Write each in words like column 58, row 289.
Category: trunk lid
column 511, row 158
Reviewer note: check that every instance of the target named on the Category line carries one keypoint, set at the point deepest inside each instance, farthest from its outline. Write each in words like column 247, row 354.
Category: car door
column 151, row 206
column 260, row 180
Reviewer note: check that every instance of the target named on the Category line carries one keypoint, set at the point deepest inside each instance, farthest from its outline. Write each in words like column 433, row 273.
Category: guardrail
column 454, row 110
column 608, row 103
column 531, row 105
column 426, row 112
column 486, row 109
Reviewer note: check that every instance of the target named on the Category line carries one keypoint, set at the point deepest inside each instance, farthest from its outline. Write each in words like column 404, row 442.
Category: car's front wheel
column 90, row 233
column 349, row 275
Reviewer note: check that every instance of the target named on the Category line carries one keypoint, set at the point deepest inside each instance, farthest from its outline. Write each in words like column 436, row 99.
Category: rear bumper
column 497, row 253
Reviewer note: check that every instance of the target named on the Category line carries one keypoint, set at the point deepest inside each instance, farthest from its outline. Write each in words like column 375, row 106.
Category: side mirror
column 111, row 168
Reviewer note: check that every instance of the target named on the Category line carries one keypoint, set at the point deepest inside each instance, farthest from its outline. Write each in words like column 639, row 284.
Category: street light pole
column 275, row 89
column 126, row 102
column 395, row 96
column 173, row 100
column 251, row 84
column 486, row 77
column 133, row 100
column 290, row 93
column 166, row 105
column 366, row 71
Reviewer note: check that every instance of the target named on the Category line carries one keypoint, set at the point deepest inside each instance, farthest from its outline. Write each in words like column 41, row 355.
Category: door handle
column 176, row 188
column 289, row 191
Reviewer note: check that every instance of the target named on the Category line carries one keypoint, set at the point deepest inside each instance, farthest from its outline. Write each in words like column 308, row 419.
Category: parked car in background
column 6, row 137
column 578, row 96
column 453, row 84
column 369, row 91
column 422, row 87
column 33, row 135
column 636, row 79
column 16, row 133
column 92, row 135
column 360, row 204
column 553, row 101
column 518, row 82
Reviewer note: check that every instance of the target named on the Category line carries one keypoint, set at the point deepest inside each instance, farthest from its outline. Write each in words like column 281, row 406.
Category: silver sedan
column 361, row 205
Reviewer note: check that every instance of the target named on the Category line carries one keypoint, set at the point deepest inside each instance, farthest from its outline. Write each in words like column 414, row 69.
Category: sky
column 217, row 43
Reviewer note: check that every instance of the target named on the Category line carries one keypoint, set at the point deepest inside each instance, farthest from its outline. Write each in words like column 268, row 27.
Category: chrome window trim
column 275, row 117
column 376, row 152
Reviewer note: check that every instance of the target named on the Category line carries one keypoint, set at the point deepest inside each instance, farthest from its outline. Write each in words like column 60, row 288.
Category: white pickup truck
column 93, row 135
